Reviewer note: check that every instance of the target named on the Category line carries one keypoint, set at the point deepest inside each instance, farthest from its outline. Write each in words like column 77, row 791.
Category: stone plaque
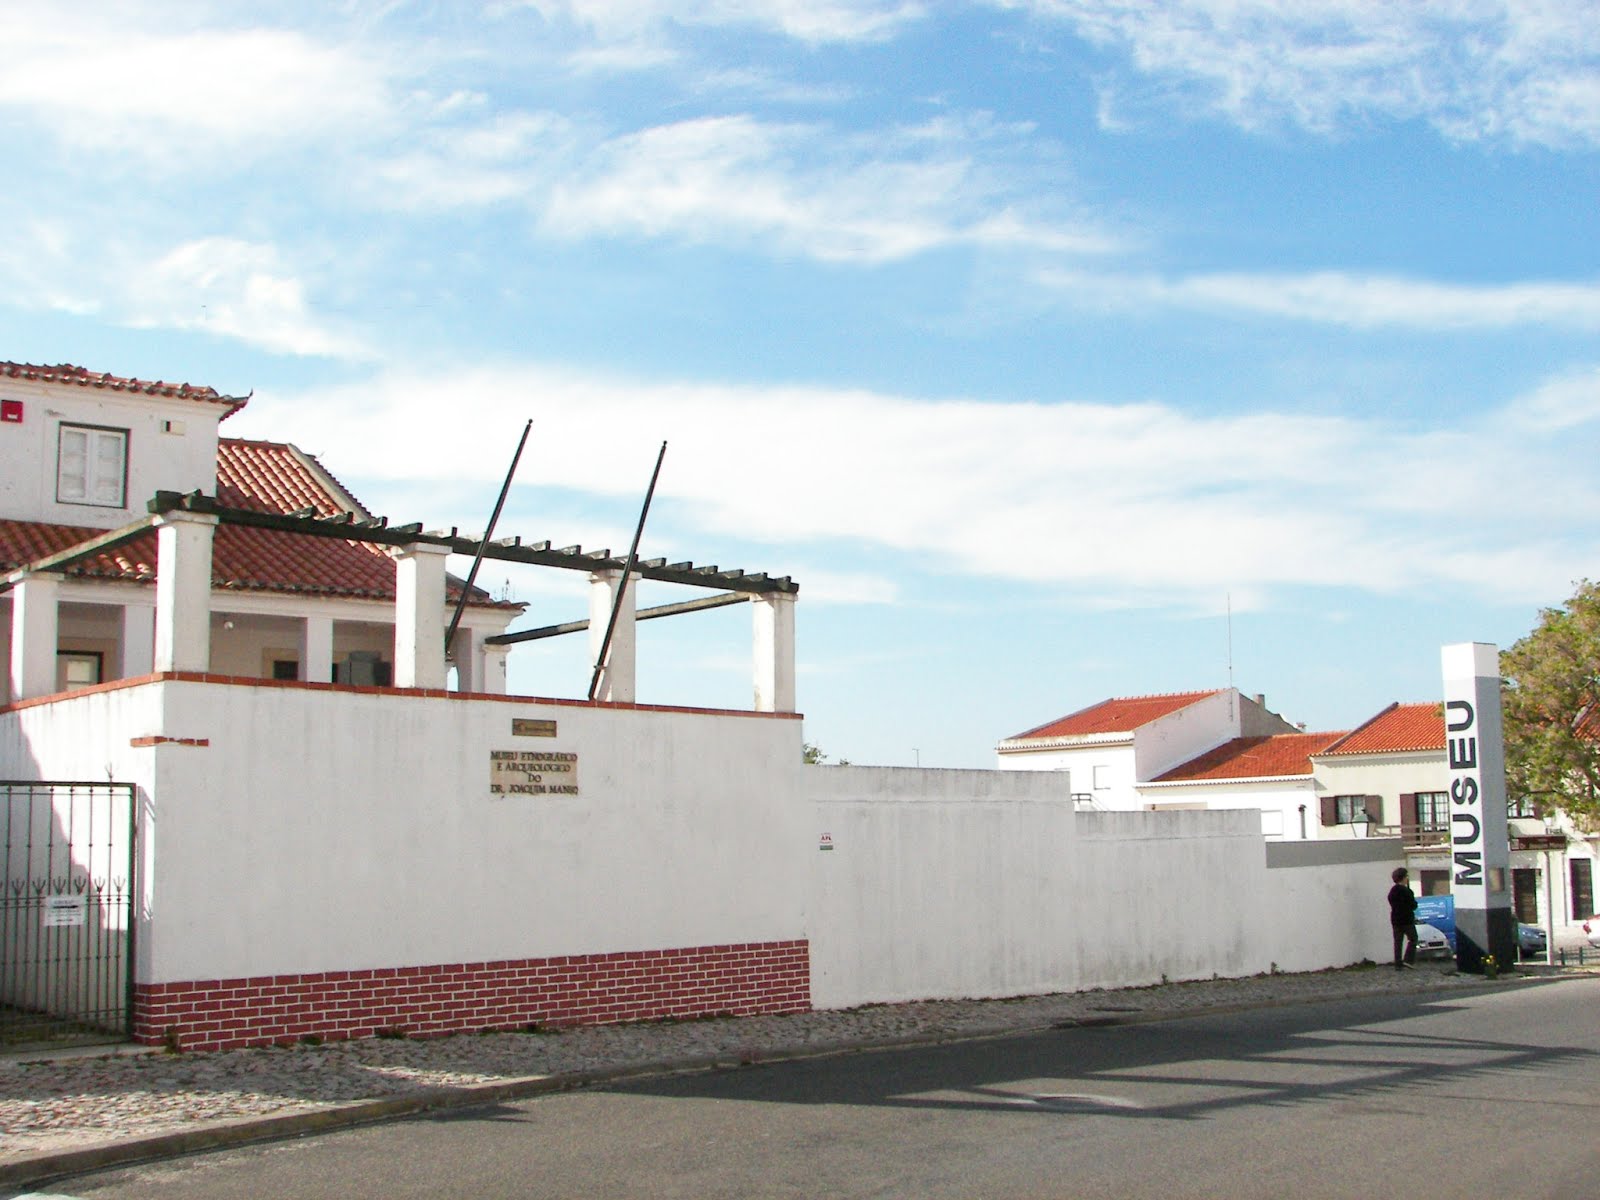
column 533, row 773
column 531, row 727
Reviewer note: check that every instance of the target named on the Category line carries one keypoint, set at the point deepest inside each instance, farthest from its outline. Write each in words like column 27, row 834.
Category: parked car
column 1531, row 940
column 1591, row 927
column 1432, row 943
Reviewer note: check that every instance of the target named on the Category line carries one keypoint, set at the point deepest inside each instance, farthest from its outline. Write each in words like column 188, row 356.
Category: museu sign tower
column 1480, row 851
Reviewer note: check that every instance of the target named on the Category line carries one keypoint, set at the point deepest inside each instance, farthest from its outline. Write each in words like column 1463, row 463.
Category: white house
column 1110, row 748
column 1273, row 774
column 1387, row 778
column 84, row 454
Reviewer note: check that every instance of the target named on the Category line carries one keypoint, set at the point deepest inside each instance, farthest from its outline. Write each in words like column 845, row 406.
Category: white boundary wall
column 292, row 829
column 986, row 883
column 322, row 830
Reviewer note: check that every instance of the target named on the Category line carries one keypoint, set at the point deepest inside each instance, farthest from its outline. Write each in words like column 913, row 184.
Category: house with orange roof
column 1111, row 747
column 84, row 453
column 1387, row 778
column 1273, row 773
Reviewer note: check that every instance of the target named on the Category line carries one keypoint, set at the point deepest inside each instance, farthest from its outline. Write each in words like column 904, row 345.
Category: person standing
column 1403, row 920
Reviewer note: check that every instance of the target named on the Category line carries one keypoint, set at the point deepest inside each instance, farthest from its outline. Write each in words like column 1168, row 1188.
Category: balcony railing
column 1413, row 837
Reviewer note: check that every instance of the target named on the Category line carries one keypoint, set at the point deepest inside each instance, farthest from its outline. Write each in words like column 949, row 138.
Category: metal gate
column 66, row 913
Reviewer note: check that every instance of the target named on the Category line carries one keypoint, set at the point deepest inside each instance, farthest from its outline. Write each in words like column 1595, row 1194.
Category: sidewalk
column 68, row 1114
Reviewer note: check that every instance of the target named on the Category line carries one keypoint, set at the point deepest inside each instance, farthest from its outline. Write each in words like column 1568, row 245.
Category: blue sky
column 1032, row 338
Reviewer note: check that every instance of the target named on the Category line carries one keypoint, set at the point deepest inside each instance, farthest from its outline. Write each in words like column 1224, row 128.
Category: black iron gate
column 66, row 913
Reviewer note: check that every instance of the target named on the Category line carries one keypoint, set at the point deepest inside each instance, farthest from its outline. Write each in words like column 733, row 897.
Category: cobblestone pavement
column 67, row 1104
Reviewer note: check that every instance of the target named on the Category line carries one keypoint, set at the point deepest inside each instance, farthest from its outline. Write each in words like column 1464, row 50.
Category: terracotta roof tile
column 66, row 373
column 1122, row 715
column 1272, row 757
column 1398, row 728
column 274, row 477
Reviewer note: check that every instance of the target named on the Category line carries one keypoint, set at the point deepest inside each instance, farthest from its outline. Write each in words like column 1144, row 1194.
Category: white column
column 34, row 625
column 774, row 651
column 618, row 673
column 138, row 640
column 316, row 649
column 183, row 591
column 466, row 651
column 494, row 669
column 419, row 615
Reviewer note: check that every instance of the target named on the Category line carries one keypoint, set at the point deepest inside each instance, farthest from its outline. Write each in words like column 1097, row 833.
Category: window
column 1433, row 811
column 92, row 466
column 286, row 668
column 1352, row 810
column 1102, row 778
column 77, row 669
column 1582, row 889
column 1521, row 806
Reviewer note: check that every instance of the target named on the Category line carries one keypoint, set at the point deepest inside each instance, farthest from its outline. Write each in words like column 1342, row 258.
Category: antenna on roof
column 1230, row 638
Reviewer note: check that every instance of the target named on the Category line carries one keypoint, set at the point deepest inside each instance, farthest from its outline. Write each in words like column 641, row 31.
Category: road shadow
column 1185, row 1069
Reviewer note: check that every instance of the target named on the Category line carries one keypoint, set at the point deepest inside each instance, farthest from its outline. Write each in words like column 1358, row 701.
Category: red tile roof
column 66, row 373
column 1115, row 716
column 266, row 477
column 1273, row 757
column 1398, row 728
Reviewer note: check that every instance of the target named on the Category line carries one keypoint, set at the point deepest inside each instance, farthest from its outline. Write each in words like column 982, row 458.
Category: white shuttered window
column 92, row 466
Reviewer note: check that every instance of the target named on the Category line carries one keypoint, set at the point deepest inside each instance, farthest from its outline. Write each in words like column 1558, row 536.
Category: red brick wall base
column 588, row 989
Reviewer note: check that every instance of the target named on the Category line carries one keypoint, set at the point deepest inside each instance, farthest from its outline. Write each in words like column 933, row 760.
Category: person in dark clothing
column 1403, row 920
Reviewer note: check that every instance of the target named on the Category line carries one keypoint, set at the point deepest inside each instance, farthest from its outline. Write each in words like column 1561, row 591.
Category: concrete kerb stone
column 47, row 1166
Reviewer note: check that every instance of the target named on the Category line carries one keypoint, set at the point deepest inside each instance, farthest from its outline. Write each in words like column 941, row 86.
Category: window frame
column 91, row 460
column 1438, row 820
column 66, row 658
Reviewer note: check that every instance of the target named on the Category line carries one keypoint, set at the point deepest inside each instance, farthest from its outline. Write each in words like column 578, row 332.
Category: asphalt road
column 1486, row 1093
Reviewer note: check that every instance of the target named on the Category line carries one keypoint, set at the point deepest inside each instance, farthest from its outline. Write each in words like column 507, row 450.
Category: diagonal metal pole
column 627, row 570
column 472, row 575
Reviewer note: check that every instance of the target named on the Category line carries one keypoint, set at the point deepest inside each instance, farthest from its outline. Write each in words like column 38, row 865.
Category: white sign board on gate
column 65, row 912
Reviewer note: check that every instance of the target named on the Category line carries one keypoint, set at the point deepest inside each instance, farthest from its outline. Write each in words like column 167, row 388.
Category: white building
column 1387, row 778
column 1110, row 748
column 82, row 457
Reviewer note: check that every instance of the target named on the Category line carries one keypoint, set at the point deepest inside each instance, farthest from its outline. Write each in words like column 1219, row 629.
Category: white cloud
column 232, row 289
column 1144, row 503
column 1566, row 402
column 812, row 21
column 184, row 94
column 802, row 189
column 1341, row 298
column 1506, row 70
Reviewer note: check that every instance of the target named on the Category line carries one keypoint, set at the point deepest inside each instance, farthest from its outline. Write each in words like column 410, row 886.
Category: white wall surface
column 328, row 830
column 1176, row 738
column 973, row 883
column 323, row 830
column 1386, row 775
column 1279, row 802
column 178, row 462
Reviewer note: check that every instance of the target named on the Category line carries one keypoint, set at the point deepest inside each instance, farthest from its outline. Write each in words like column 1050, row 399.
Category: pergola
column 184, row 525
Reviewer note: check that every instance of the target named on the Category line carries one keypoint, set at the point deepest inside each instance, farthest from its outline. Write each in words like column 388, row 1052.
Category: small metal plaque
column 532, row 727
column 62, row 912
column 533, row 773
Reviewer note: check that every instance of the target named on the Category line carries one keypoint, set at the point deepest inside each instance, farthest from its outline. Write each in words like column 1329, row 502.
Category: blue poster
column 1440, row 912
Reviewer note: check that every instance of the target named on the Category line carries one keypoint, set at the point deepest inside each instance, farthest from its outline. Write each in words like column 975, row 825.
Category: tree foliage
column 1552, row 708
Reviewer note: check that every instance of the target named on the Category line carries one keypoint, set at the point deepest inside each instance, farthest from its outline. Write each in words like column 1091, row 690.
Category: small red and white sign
column 11, row 412
column 825, row 842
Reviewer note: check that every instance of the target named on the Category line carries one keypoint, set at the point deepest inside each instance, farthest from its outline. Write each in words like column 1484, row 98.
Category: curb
column 51, row 1165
